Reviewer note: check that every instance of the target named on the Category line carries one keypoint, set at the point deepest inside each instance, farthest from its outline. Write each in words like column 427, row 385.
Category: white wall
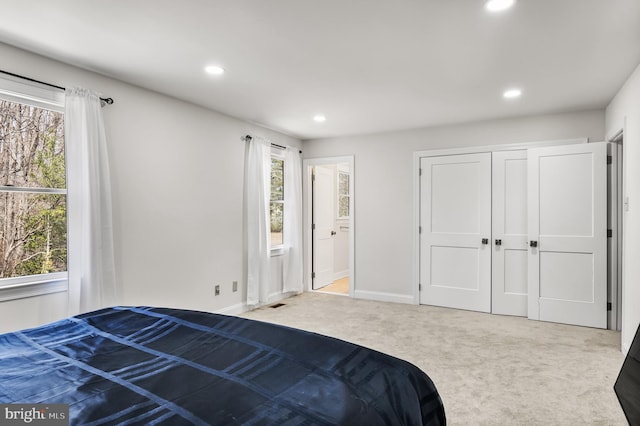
column 177, row 181
column 384, row 193
column 623, row 113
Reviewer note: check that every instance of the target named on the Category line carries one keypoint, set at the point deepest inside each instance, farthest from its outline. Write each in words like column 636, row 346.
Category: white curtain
column 292, row 228
column 90, row 262
column 257, row 187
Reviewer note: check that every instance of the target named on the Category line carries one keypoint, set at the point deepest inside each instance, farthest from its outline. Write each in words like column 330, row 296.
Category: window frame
column 278, row 154
column 39, row 96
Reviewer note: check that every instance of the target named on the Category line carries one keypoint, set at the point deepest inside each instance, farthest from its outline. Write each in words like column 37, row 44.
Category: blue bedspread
column 169, row 366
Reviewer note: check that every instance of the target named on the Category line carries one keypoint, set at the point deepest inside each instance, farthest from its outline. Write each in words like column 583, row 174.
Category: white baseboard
column 383, row 296
column 340, row 275
column 236, row 309
column 240, row 308
column 276, row 297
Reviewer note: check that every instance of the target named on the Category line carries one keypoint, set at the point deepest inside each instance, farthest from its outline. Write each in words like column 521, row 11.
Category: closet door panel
column 567, row 189
column 455, row 217
column 509, row 288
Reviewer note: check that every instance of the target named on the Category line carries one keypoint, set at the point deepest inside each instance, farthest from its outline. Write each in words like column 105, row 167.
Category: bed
column 151, row 365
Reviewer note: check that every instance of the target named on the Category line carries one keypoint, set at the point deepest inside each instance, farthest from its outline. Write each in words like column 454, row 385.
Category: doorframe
column 617, row 146
column 417, row 155
column 307, row 212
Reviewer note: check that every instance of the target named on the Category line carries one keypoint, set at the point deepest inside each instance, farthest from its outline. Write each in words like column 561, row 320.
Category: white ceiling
column 368, row 65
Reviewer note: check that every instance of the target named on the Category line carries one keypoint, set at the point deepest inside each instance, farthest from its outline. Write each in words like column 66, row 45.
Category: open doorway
column 329, row 225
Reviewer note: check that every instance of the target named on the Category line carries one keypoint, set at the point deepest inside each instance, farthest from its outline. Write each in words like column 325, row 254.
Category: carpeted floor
column 489, row 369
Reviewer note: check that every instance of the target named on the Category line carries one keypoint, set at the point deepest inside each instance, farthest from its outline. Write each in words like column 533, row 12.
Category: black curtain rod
column 247, row 138
column 108, row 101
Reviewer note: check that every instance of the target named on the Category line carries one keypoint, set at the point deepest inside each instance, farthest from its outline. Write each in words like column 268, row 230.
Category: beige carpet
column 489, row 369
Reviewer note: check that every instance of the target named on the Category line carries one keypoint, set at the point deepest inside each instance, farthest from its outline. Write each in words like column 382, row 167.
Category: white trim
column 33, row 190
column 616, row 135
column 237, row 309
column 276, row 251
column 613, row 195
column 25, row 92
column 384, row 296
column 240, row 308
column 616, row 141
column 417, row 155
column 415, row 267
column 33, row 285
column 276, row 297
column 331, row 293
column 306, row 213
column 33, row 94
column 493, row 148
column 340, row 275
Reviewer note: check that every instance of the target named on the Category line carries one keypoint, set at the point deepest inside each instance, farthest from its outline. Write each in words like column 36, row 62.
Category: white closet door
column 509, row 229
column 568, row 223
column 455, row 217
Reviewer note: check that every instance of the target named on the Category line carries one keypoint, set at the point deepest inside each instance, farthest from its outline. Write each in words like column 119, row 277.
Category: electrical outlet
column 235, row 286
column 217, row 290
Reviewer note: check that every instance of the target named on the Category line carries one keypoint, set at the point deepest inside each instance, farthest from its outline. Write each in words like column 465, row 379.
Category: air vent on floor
column 277, row 305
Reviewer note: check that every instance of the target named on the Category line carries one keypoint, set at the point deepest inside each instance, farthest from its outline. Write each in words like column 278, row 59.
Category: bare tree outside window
column 276, row 206
column 343, row 195
column 33, row 207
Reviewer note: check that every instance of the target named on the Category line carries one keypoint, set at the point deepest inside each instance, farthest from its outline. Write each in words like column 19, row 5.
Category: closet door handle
column 485, row 241
column 533, row 244
column 498, row 242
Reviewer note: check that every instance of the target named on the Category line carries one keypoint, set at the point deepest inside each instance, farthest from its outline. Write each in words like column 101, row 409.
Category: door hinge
column 313, row 275
column 420, row 171
column 419, row 287
column 609, row 307
column 419, row 229
column 609, row 159
column 609, row 233
column 313, row 226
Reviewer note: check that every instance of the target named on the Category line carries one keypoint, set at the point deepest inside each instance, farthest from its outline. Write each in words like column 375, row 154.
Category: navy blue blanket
column 170, row 366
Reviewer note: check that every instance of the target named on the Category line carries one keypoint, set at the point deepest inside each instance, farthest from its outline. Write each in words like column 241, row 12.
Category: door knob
column 485, row 241
column 533, row 244
column 498, row 242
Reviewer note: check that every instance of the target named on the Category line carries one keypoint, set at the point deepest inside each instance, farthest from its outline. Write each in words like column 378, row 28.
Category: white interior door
column 323, row 221
column 455, row 218
column 568, row 225
column 509, row 287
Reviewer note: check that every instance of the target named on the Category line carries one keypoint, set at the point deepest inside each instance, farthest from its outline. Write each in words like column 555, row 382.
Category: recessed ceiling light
column 214, row 70
column 498, row 5
column 319, row 118
column 512, row 93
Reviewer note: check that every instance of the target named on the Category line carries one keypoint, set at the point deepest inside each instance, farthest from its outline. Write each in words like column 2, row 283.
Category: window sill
column 277, row 251
column 33, row 285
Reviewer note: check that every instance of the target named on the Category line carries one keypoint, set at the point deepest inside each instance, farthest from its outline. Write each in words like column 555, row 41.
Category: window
column 276, row 207
column 33, row 204
column 343, row 195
